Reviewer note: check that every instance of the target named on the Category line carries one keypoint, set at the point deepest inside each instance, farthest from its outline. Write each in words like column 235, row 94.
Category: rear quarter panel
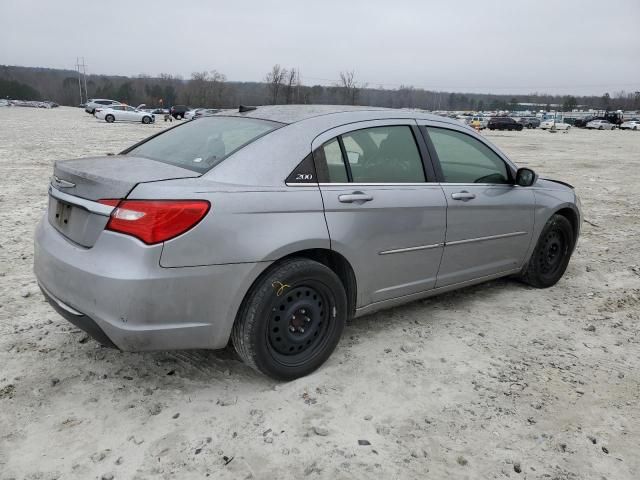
column 245, row 224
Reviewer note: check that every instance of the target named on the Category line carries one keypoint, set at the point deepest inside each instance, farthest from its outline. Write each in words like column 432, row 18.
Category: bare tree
column 349, row 88
column 275, row 79
column 292, row 85
column 205, row 89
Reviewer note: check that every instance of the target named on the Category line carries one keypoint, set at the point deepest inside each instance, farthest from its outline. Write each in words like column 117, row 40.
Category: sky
column 582, row 47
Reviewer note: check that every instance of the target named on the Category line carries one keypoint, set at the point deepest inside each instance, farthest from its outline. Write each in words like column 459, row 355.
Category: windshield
column 202, row 144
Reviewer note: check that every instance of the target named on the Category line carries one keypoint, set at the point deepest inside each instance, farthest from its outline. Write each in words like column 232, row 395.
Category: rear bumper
column 117, row 292
column 78, row 319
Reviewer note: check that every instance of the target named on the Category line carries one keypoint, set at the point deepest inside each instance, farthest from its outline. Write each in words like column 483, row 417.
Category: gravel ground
column 494, row 381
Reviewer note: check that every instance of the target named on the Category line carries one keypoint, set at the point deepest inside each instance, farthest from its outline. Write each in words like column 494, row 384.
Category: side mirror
column 525, row 177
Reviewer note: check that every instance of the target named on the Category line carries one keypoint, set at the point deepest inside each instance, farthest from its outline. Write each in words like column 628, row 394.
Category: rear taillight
column 155, row 221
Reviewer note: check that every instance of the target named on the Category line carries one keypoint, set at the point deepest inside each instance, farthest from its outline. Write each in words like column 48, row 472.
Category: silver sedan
column 273, row 226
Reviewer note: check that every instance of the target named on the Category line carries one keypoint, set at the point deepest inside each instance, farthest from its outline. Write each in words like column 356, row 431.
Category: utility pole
column 82, row 72
column 84, row 76
column 79, row 82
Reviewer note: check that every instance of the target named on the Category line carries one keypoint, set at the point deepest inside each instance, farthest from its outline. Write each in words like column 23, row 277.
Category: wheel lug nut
column 307, row 319
column 292, row 329
column 303, row 311
column 301, row 330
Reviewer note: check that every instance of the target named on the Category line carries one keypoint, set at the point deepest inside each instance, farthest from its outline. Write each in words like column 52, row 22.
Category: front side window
column 201, row 145
column 372, row 155
column 464, row 159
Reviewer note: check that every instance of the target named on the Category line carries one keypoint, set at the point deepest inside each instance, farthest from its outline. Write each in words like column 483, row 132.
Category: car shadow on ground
column 209, row 366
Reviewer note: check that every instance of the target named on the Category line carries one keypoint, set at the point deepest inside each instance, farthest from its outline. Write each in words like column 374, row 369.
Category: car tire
column 109, row 118
column 635, row 128
column 601, row 127
column 268, row 335
column 146, row 120
column 179, row 116
column 551, row 255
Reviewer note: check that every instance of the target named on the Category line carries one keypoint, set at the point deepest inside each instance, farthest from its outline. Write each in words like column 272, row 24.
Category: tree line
column 279, row 86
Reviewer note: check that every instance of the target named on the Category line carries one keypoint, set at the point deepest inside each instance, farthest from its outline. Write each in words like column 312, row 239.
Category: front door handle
column 355, row 197
column 464, row 196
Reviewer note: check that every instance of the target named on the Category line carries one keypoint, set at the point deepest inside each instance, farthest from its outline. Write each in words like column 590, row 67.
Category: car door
column 384, row 210
column 489, row 218
column 129, row 114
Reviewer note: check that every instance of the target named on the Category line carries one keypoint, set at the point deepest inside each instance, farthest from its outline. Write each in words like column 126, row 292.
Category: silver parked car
column 272, row 226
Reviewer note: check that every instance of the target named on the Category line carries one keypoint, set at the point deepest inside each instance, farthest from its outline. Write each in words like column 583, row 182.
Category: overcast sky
column 510, row 46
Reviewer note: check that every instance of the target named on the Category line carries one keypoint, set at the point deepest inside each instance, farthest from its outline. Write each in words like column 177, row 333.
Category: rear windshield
column 201, row 144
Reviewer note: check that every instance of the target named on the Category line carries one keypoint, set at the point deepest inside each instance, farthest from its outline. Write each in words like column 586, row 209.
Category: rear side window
column 372, row 155
column 330, row 156
column 201, row 145
column 464, row 159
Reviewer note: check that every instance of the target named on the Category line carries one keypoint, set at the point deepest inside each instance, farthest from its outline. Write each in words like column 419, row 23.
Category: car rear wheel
column 109, row 118
column 551, row 255
column 146, row 120
column 291, row 320
column 601, row 128
column 179, row 116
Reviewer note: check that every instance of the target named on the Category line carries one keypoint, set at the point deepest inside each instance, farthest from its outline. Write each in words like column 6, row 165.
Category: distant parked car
column 124, row 113
column 504, row 123
column 582, row 122
column 630, row 125
column 178, row 111
column 94, row 103
column 529, row 122
column 189, row 114
column 600, row 125
column 557, row 124
column 203, row 112
column 478, row 122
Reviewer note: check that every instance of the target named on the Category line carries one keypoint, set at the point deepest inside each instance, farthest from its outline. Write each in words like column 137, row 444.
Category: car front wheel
column 109, row 118
column 146, row 120
column 551, row 255
column 291, row 320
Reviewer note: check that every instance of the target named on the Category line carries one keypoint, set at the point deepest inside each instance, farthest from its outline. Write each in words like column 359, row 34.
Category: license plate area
column 63, row 213
column 76, row 223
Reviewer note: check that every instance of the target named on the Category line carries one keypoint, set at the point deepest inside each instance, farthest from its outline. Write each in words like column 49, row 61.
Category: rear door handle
column 355, row 197
column 464, row 196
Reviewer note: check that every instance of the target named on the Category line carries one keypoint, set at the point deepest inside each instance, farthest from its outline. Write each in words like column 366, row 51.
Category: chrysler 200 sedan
column 272, row 226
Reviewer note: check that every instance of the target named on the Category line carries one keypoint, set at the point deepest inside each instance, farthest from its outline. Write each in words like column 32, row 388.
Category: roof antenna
column 246, row 108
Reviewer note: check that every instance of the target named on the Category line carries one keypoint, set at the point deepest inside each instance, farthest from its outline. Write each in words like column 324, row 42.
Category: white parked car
column 124, row 113
column 600, row 125
column 190, row 114
column 93, row 103
column 549, row 124
column 630, row 125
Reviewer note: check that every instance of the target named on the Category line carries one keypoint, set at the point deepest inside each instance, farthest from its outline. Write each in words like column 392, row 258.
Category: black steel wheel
column 292, row 319
column 551, row 254
column 299, row 322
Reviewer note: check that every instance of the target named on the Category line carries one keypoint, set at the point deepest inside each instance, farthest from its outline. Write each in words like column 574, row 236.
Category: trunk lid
column 112, row 176
column 77, row 185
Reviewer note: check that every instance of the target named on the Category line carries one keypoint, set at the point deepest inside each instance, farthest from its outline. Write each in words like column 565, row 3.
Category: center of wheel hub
column 299, row 321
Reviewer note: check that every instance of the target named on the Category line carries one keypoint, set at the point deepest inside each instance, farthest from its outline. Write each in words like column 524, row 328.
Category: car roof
column 289, row 114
